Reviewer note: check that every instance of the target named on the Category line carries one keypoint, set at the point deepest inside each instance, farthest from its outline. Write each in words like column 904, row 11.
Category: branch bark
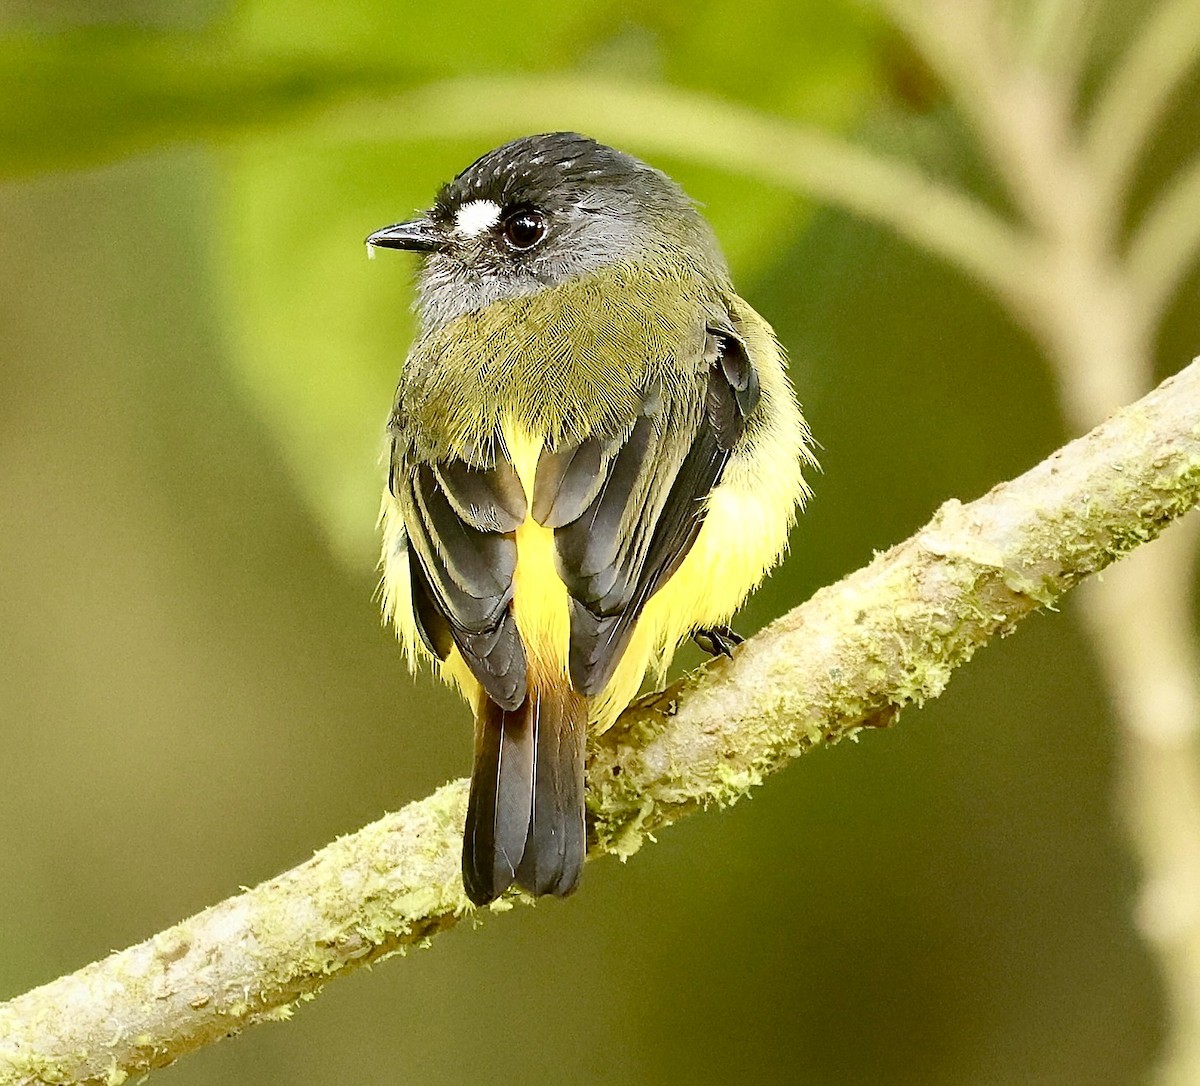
column 850, row 658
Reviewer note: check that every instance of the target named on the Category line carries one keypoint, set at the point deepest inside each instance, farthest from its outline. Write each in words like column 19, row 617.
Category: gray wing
column 461, row 522
column 626, row 511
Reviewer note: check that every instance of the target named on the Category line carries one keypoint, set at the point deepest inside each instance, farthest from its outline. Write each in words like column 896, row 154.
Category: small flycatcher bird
column 594, row 452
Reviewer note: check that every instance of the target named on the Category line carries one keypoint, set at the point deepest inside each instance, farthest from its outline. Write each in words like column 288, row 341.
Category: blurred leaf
column 78, row 97
column 441, row 39
column 319, row 331
column 810, row 60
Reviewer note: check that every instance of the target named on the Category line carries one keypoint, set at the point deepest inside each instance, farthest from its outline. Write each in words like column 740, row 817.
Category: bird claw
column 717, row 640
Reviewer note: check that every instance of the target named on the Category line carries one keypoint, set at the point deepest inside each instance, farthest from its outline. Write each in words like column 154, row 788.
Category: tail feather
column 501, row 798
column 525, row 812
column 554, row 849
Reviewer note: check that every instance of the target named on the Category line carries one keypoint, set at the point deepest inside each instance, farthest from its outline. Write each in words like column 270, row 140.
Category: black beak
column 420, row 236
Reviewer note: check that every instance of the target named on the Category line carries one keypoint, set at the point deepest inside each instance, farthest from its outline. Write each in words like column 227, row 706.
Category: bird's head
column 540, row 210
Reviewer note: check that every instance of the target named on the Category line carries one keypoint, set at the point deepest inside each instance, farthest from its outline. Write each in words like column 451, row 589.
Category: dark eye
column 524, row 229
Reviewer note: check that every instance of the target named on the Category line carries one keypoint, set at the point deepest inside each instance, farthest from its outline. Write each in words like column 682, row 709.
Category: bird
column 594, row 452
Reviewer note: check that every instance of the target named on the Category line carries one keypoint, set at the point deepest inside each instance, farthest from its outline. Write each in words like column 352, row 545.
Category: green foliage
column 83, row 96
column 317, row 335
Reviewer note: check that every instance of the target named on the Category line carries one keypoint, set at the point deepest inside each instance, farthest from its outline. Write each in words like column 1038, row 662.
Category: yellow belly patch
column 540, row 602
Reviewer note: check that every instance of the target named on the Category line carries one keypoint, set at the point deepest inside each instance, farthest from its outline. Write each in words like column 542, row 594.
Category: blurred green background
column 196, row 361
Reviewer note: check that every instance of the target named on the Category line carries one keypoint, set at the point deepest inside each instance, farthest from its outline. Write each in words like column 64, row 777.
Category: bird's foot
column 717, row 640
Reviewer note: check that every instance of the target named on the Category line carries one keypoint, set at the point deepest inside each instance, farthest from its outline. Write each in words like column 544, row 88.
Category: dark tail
column 525, row 814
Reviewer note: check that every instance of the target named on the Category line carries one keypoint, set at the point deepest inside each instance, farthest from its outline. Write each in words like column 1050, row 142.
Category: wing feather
column 568, row 481
column 648, row 505
column 490, row 499
column 463, row 554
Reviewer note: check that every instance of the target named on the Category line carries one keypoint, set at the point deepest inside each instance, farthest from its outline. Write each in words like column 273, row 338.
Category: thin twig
column 1165, row 244
column 1058, row 38
column 973, row 48
column 885, row 637
column 1141, row 623
column 1136, row 96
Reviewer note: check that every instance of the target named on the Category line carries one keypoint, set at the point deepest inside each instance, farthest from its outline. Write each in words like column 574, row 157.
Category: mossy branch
column 850, row 658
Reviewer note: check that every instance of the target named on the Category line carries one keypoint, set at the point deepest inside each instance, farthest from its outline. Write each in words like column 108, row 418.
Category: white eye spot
column 475, row 217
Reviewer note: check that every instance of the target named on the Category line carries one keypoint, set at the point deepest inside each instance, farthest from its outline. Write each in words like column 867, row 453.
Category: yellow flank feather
column 744, row 534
